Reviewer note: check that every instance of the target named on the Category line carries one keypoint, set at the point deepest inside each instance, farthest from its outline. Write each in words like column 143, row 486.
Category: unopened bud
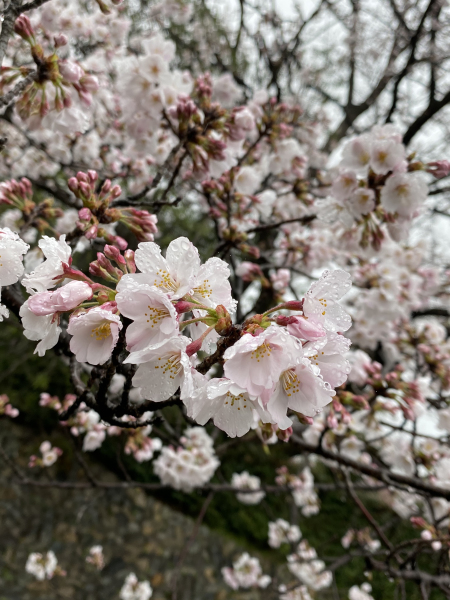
column 182, row 306
column 60, row 40
column 224, row 323
column 304, row 419
column 194, row 347
column 129, row 259
column 285, row 434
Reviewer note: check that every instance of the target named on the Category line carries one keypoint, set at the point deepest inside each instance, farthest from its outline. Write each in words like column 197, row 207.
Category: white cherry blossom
column 300, row 388
column 404, row 193
column 229, row 406
column 95, row 333
column 133, row 589
column 163, row 368
column 173, row 275
column 256, row 362
column 57, row 253
column 328, row 355
column 321, row 301
column 44, row 329
column 154, row 317
column 12, row 249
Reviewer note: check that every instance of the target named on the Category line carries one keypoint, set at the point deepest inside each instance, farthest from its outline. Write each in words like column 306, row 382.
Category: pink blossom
column 95, row 333
column 63, row 299
column 255, row 363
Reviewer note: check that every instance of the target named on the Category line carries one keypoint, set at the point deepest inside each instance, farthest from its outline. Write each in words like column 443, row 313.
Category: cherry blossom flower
column 230, row 407
column 173, row 275
column 360, row 592
column 189, row 466
column 245, row 481
column 310, row 570
column 386, row 155
column 133, row 589
column 96, row 557
column 43, row 566
column 163, row 368
column 299, row 593
column 300, row 388
column 255, row 363
column 154, row 317
column 12, row 249
column 321, row 299
column 6, row 408
column 44, row 329
column 361, row 202
column 328, row 355
column 282, row 532
column 403, row 193
column 356, row 153
column 246, row 573
column 95, row 333
column 211, row 286
column 57, row 253
column 359, row 360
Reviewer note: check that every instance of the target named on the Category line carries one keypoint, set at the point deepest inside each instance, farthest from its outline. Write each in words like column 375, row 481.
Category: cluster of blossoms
column 49, row 453
column 133, row 589
column 43, row 566
column 249, row 483
column 310, row 570
column 251, row 340
column 96, row 557
column 245, row 573
column 282, row 532
column 278, row 363
column 190, row 465
column 302, row 487
column 6, row 407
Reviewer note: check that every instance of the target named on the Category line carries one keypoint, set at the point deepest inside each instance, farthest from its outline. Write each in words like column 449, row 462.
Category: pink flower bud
column 114, row 254
column 285, row 434
column 426, row 535
column 194, row 347
column 93, row 176
column 82, row 177
column 306, row 329
column 112, row 306
column 70, row 71
column 436, row 545
column 89, row 83
column 73, row 184
column 183, row 307
column 92, row 232
column 85, row 189
column 106, row 187
column 60, row 40
column 63, row 299
column 129, row 259
column 283, row 320
column 294, row 305
column 84, row 214
column 304, row 419
column 439, row 168
column 116, row 191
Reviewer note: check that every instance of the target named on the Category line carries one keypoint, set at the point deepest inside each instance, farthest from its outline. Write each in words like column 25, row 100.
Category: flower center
column 323, row 302
column 166, row 281
column 236, row 399
column 156, row 314
column 204, row 290
column 101, row 332
column 262, row 351
column 290, row 382
column 171, row 365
